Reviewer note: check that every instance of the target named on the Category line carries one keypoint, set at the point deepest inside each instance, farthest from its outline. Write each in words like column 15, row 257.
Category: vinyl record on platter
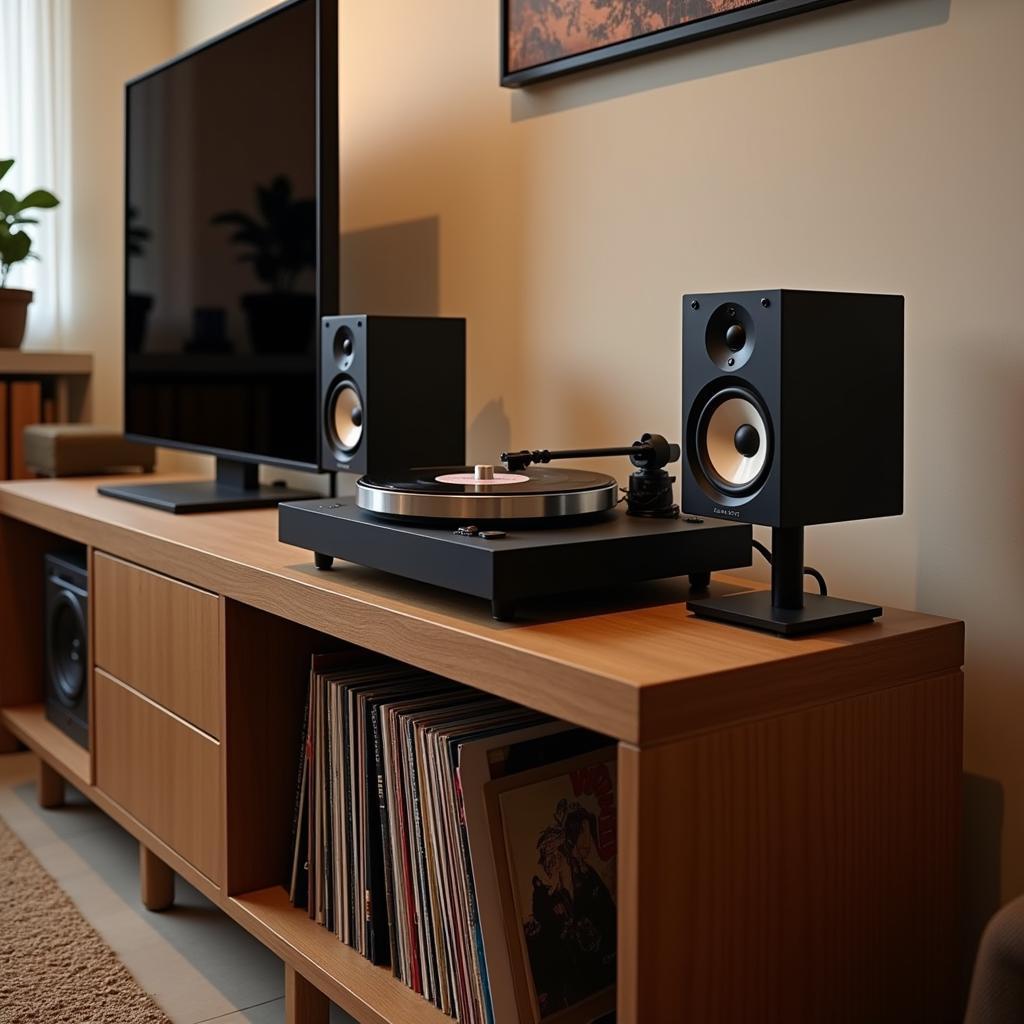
column 463, row 493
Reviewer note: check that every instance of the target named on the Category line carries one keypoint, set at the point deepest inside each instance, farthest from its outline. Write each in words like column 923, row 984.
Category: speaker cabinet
column 793, row 406
column 792, row 415
column 66, row 681
column 393, row 393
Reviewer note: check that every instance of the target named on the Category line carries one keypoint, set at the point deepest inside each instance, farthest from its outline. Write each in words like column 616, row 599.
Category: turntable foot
column 323, row 562
column 700, row 580
column 503, row 611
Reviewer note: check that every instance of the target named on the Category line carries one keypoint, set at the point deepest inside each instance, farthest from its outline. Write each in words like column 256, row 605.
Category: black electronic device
column 513, row 532
column 392, row 392
column 511, row 563
column 66, row 675
column 231, row 253
column 792, row 416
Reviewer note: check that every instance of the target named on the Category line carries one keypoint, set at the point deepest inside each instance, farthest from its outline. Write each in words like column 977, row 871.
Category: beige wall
column 111, row 41
column 875, row 146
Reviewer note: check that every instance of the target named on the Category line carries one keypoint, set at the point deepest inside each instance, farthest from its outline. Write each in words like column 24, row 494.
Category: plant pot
column 13, row 314
column 281, row 322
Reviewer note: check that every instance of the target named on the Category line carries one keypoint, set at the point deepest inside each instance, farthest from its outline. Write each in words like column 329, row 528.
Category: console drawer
column 161, row 636
column 163, row 771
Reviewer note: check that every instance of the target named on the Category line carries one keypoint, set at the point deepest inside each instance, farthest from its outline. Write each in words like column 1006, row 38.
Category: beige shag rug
column 54, row 968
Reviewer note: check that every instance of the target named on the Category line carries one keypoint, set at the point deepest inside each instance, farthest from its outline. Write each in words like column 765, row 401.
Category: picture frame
column 521, row 56
column 526, row 810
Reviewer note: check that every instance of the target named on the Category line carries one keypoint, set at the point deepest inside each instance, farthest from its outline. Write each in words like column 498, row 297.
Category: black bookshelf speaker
column 66, row 676
column 792, row 415
column 393, row 393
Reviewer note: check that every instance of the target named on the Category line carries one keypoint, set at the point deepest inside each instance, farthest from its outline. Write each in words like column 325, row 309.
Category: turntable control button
column 693, row 519
column 492, row 534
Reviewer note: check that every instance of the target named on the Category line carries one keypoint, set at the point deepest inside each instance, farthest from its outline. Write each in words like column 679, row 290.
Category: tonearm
column 650, row 485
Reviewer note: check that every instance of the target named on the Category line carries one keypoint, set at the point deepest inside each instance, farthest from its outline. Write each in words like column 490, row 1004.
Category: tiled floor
column 195, row 961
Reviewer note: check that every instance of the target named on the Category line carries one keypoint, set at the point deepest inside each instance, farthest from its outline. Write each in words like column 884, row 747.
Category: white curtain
column 35, row 130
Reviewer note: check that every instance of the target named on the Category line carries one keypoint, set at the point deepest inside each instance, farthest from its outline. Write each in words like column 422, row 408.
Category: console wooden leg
column 156, row 881
column 50, row 787
column 303, row 1003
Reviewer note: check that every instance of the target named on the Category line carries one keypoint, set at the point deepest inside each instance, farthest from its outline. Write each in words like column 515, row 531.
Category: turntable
column 520, row 530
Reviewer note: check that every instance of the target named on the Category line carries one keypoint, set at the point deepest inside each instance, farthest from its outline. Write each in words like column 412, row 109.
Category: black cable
column 822, row 587
column 808, row 570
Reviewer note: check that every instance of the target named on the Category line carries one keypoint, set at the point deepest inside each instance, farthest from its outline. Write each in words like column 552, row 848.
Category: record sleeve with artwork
column 555, row 846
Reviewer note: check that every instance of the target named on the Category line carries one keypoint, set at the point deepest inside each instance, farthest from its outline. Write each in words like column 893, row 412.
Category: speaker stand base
column 754, row 609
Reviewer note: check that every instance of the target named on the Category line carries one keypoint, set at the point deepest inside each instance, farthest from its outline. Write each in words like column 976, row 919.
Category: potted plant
column 16, row 246
column 280, row 247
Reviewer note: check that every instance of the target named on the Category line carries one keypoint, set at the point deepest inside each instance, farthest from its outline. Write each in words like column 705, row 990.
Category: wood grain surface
column 371, row 994
column 28, row 722
column 303, row 1003
column 267, row 662
column 633, row 665
column 161, row 770
column 160, row 636
column 798, row 868
column 15, row 361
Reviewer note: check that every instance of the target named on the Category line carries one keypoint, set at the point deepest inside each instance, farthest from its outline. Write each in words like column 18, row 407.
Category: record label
column 470, row 479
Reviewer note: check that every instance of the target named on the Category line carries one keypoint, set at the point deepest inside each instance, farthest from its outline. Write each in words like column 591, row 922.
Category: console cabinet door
column 163, row 771
column 161, row 637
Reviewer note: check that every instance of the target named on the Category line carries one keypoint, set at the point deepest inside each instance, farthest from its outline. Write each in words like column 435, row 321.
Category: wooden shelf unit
column 16, row 362
column 30, row 724
column 788, row 809
column 369, row 993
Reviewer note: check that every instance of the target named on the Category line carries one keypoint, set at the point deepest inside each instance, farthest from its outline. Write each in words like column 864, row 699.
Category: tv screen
column 225, row 270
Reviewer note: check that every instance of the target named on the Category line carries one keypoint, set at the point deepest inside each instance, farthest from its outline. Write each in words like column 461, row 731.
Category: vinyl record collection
column 417, row 844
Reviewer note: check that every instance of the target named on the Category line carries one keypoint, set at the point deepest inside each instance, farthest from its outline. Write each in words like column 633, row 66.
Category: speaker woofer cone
column 67, row 649
column 345, row 417
column 734, row 441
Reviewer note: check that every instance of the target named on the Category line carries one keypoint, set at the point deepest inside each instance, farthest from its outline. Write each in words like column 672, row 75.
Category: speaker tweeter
column 730, row 336
column 344, row 348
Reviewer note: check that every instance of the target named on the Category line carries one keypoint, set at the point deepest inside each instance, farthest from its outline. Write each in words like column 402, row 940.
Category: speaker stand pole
column 788, row 567
column 785, row 609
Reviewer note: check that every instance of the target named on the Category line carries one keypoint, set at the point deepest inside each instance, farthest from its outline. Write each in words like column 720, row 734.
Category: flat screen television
column 231, row 252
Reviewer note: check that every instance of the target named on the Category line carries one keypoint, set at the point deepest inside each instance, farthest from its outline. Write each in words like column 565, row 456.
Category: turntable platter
column 458, row 493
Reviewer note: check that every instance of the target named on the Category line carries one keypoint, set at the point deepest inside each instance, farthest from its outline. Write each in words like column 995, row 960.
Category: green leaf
column 5, row 166
column 19, row 246
column 8, row 204
column 39, row 200
column 14, row 247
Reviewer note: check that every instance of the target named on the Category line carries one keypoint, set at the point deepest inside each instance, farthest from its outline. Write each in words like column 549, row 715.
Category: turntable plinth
column 525, row 561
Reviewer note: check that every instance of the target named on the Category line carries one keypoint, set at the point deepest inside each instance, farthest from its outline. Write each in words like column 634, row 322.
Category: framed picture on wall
column 544, row 38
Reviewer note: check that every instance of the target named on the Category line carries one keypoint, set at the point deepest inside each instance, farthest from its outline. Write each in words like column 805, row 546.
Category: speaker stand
column 785, row 609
